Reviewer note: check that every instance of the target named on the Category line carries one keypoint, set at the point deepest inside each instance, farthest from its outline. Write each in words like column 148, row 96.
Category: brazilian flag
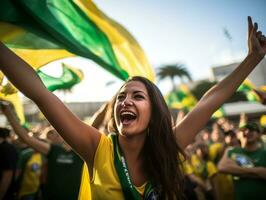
column 70, row 77
column 181, row 98
column 247, row 88
column 46, row 30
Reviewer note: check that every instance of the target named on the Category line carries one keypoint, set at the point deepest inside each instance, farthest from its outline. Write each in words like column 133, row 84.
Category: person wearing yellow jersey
column 205, row 170
column 63, row 164
column 29, row 167
column 146, row 147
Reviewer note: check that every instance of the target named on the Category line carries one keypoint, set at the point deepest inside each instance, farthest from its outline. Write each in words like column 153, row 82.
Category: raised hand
column 256, row 39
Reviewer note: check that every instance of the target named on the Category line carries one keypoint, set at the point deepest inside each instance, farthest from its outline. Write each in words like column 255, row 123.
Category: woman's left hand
column 256, row 40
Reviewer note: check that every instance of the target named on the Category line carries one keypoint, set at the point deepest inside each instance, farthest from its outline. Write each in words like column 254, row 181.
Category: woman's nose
column 127, row 102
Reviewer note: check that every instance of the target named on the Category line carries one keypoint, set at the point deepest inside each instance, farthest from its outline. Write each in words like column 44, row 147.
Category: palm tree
column 172, row 71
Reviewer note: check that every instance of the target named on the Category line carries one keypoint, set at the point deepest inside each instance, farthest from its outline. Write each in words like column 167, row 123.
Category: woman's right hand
column 256, row 40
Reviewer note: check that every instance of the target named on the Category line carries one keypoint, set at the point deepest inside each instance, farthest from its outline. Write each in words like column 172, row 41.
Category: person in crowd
column 29, row 167
column 141, row 158
column 205, row 170
column 231, row 139
column 8, row 159
column 216, row 147
column 63, row 164
column 247, row 164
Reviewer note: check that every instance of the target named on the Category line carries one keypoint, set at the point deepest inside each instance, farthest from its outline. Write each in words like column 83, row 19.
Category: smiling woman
column 132, row 108
column 141, row 159
column 143, row 121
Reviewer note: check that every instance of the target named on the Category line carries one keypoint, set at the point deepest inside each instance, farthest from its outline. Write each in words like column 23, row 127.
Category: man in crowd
column 247, row 165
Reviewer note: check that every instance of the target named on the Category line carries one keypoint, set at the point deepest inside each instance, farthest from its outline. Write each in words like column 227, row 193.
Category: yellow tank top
column 105, row 182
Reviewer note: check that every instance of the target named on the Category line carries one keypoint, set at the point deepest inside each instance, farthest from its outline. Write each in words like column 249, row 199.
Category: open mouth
column 127, row 117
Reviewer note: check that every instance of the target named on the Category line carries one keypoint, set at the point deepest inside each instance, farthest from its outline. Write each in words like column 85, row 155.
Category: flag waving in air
column 46, row 30
column 181, row 98
column 247, row 87
column 70, row 77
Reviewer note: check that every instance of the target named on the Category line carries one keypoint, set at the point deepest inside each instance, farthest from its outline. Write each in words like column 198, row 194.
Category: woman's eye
column 139, row 97
column 120, row 97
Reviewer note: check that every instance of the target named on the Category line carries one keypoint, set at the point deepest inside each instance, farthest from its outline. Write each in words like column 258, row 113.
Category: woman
column 145, row 141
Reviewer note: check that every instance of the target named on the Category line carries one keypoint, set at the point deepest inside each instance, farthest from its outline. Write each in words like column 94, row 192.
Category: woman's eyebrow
column 139, row 91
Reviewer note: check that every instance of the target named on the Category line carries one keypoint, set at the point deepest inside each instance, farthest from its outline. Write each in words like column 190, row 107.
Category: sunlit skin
column 133, row 98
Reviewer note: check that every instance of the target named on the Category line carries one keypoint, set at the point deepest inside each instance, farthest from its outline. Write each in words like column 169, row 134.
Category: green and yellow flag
column 46, row 30
column 181, row 98
column 247, row 88
column 219, row 113
column 70, row 77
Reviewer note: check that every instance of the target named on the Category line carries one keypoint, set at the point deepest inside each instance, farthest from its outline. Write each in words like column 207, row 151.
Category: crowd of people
column 227, row 161
column 145, row 156
column 42, row 166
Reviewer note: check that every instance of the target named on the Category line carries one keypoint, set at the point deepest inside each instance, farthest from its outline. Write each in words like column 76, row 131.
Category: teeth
column 127, row 113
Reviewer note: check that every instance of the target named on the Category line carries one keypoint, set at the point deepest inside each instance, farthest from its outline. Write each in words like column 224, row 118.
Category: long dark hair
column 161, row 152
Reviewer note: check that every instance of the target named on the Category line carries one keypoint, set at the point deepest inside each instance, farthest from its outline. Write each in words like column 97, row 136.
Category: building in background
column 257, row 76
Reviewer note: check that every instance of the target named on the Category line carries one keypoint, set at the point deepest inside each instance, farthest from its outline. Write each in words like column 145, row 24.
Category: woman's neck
column 132, row 146
column 132, row 150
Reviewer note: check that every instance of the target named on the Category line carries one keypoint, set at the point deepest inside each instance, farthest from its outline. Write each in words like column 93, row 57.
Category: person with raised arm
column 140, row 160
column 64, row 166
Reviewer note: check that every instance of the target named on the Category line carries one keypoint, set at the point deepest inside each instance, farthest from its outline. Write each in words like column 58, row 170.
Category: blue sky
column 171, row 31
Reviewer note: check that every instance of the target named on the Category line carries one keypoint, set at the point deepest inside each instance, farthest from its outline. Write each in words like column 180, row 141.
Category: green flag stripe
column 66, row 81
column 59, row 19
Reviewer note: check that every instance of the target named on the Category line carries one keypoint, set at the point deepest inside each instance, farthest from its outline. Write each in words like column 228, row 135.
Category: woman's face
column 132, row 109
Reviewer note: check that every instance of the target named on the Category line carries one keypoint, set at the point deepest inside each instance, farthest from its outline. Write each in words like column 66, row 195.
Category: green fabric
column 130, row 192
column 64, row 174
column 56, row 22
column 219, row 113
column 180, row 99
column 247, row 88
column 250, row 188
column 23, row 157
column 12, row 12
column 66, row 81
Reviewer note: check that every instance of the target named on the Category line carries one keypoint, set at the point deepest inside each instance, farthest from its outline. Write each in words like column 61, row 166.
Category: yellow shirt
column 105, row 182
column 199, row 167
column 31, row 177
column 214, row 150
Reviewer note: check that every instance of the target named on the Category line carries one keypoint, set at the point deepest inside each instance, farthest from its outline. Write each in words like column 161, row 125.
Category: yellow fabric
column 196, row 164
column 198, row 167
column 37, row 58
column 225, row 186
column 214, row 150
column 127, row 50
column 15, row 100
column 31, row 179
column 85, row 190
column 211, row 168
column 34, row 57
column 187, row 168
column 263, row 120
column 105, row 181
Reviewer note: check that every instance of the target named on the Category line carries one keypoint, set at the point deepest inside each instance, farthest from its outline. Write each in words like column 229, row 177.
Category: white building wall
column 257, row 76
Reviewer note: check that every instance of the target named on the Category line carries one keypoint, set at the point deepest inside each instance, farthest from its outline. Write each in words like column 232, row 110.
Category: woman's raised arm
column 83, row 138
column 186, row 129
